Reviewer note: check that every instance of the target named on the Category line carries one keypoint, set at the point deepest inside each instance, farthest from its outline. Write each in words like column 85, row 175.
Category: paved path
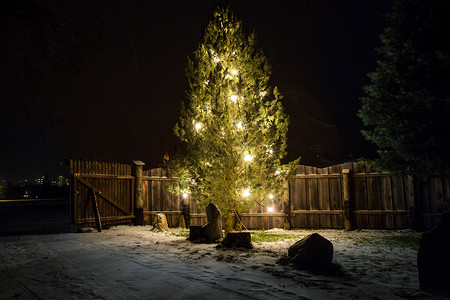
column 76, row 266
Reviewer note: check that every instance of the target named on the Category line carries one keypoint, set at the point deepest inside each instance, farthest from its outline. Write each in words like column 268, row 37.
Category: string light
column 246, row 193
column 277, row 172
column 234, row 98
column 198, row 126
column 270, row 196
column 262, row 93
column 239, row 125
column 248, row 157
column 234, row 72
column 185, row 195
column 216, row 59
column 270, row 209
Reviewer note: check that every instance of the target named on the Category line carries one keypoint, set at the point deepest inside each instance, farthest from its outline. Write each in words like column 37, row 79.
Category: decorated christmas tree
column 233, row 127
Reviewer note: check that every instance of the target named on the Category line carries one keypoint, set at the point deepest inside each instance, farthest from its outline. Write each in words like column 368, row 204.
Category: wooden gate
column 101, row 194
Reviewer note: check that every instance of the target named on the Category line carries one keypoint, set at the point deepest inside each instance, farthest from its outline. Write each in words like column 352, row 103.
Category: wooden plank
column 436, row 192
column 374, row 201
column 335, row 186
column 398, row 201
column 98, row 223
column 105, row 219
column 301, row 202
column 425, row 204
column 324, row 199
column 166, row 212
column 317, row 212
column 446, row 186
column 386, row 200
column 312, row 197
column 360, row 200
column 313, row 176
column 381, row 212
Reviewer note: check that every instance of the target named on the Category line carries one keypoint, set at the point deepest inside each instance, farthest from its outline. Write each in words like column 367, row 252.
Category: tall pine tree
column 407, row 107
column 233, row 127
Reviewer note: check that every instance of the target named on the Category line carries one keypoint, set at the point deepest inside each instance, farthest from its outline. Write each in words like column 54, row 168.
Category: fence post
column 139, row 193
column 347, row 201
column 412, row 203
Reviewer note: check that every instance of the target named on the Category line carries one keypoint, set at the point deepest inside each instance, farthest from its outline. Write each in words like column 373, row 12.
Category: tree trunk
column 228, row 222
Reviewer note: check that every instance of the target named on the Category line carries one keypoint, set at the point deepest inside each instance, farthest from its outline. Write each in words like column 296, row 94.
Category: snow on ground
column 127, row 262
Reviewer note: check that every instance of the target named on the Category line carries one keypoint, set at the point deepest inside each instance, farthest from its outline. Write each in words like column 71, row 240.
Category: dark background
column 105, row 79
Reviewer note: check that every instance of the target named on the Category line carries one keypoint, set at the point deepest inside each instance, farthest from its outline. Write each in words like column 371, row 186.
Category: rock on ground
column 313, row 252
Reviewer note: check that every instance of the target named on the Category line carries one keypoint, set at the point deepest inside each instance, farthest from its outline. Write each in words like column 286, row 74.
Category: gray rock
column 212, row 231
column 196, row 234
column 160, row 222
column 313, row 252
column 433, row 259
column 238, row 239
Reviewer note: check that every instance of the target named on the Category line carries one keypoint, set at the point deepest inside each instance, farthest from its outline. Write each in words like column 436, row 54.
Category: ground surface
column 129, row 262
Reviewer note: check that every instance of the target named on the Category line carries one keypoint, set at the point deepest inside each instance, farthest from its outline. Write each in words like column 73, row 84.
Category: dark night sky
column 105, row 79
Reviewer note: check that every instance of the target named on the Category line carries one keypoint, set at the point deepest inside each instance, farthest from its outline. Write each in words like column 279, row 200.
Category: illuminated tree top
column 233, row 125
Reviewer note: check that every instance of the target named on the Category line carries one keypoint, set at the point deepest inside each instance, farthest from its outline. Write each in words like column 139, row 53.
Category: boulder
column 238, row 239
column 196, row 234
column 313, row 252
column 212, row 231
column 160, row 222
column 181, row 222
column 433, row 259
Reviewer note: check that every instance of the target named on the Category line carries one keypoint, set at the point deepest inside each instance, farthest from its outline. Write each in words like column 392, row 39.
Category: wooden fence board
column 324, row 199
column 387, row 201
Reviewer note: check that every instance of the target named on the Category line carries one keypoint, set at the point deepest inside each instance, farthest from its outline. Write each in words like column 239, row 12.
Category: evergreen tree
column 233, row 127
column 407, row 107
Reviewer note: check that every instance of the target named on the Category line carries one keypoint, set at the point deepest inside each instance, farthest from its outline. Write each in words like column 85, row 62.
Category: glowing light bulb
column 234, row 72
column 277, row 172
column 185, row 195
column 234, row 98
column 270, row 196
column 198, row 126
column 248, row 157
column 270, row 209
column 239, row 125
column 246, row 193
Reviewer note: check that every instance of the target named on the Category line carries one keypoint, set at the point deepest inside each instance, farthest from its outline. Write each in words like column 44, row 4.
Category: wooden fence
column 375, row 200
column 339, row 196
column 315, row 198
column 101, row 193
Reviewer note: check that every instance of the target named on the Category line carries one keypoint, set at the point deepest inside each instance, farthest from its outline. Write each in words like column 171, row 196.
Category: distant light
column 277, row 172
column 246, row 193
column 198, row 126
column 270, row 209
column 234, row 72
column 248, row 157
column 234, row 98
column 239, row 125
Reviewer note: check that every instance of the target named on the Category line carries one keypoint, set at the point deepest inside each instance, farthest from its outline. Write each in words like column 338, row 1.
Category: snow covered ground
column 127, row 262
